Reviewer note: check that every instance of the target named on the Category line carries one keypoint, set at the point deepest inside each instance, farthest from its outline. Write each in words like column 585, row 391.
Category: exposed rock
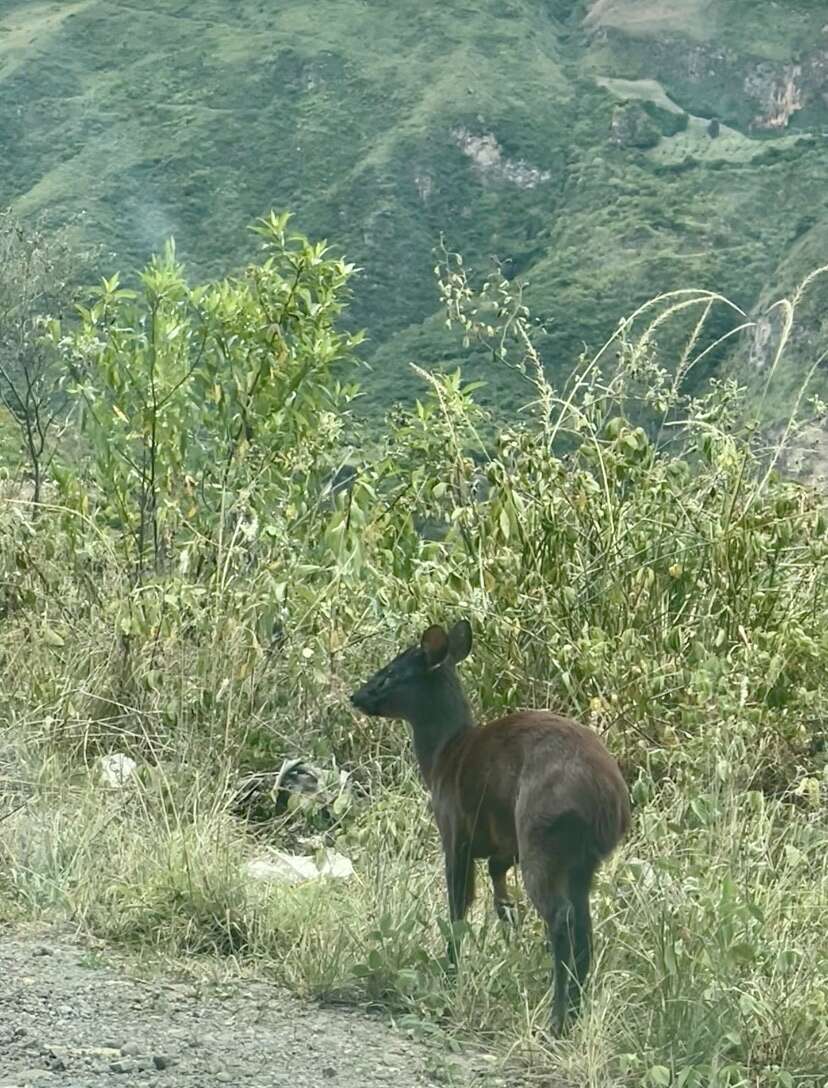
column 781, row 96
column 487, row 155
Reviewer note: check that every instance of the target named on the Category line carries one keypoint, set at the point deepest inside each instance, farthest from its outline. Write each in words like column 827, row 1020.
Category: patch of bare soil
column 68, row 1019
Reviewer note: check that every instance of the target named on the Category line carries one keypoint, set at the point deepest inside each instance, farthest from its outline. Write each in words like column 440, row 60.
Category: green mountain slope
column 570, row 138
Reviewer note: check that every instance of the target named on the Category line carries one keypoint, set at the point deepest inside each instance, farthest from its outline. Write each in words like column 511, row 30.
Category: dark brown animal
column 530, row 787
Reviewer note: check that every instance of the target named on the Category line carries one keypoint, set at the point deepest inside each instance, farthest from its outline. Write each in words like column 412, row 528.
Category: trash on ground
column 278, row 867
column 116, row 769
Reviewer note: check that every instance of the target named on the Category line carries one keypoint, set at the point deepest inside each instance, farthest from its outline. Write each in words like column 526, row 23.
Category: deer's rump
column 536, row 773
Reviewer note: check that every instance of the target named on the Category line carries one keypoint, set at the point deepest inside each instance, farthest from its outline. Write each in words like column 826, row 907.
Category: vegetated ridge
column 608, row 150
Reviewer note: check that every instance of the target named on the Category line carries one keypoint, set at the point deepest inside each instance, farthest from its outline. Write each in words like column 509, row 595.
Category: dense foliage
column 222, row 550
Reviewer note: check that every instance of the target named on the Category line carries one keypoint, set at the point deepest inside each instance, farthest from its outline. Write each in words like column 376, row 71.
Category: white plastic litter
column 116, row 770
column 281, row 868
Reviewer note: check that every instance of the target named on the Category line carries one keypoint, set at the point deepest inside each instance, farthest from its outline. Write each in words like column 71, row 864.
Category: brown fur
column 549, row 766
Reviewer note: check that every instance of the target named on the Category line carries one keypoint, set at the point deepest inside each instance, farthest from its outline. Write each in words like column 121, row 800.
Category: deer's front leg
column 460, row 885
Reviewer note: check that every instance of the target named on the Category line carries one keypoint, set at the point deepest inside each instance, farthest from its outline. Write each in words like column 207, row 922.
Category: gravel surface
column 67, row 1020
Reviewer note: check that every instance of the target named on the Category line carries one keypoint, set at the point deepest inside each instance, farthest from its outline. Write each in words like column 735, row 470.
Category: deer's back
column 530, row 768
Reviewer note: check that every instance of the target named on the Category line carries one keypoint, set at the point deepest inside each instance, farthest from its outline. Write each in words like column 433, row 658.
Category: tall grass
column 626, row 553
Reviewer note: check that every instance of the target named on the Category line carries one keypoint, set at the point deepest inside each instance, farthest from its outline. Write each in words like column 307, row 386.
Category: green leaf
column 51, row 637
column 374, row 960
column 505, row 524
column 743, row 952
column 793, row 856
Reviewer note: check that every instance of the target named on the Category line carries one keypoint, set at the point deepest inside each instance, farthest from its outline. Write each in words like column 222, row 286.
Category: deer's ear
column 435, row 646
column 460, row 640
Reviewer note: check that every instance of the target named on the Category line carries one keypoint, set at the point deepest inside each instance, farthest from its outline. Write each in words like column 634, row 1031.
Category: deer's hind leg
column 549, row 851
column 580, row 884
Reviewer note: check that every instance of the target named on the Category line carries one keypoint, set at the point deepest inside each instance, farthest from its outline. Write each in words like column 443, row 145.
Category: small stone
column 161, row 1061
column 42, row 950
column 131, row 1050
column 329, row 1072
column 123, row 1065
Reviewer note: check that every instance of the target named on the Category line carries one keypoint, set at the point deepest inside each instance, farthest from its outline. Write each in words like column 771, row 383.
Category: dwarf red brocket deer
column 531, row 788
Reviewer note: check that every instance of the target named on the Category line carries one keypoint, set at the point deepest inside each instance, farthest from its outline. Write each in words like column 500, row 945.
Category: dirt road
column 68, row 1019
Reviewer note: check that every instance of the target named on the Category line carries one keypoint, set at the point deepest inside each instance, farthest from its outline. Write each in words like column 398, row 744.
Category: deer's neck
column 446, row 717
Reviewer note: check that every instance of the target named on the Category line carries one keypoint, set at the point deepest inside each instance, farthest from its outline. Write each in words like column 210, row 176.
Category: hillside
column 572, row 139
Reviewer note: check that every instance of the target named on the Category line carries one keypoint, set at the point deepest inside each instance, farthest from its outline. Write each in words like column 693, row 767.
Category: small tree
column 204, row 405
column 36, row 272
